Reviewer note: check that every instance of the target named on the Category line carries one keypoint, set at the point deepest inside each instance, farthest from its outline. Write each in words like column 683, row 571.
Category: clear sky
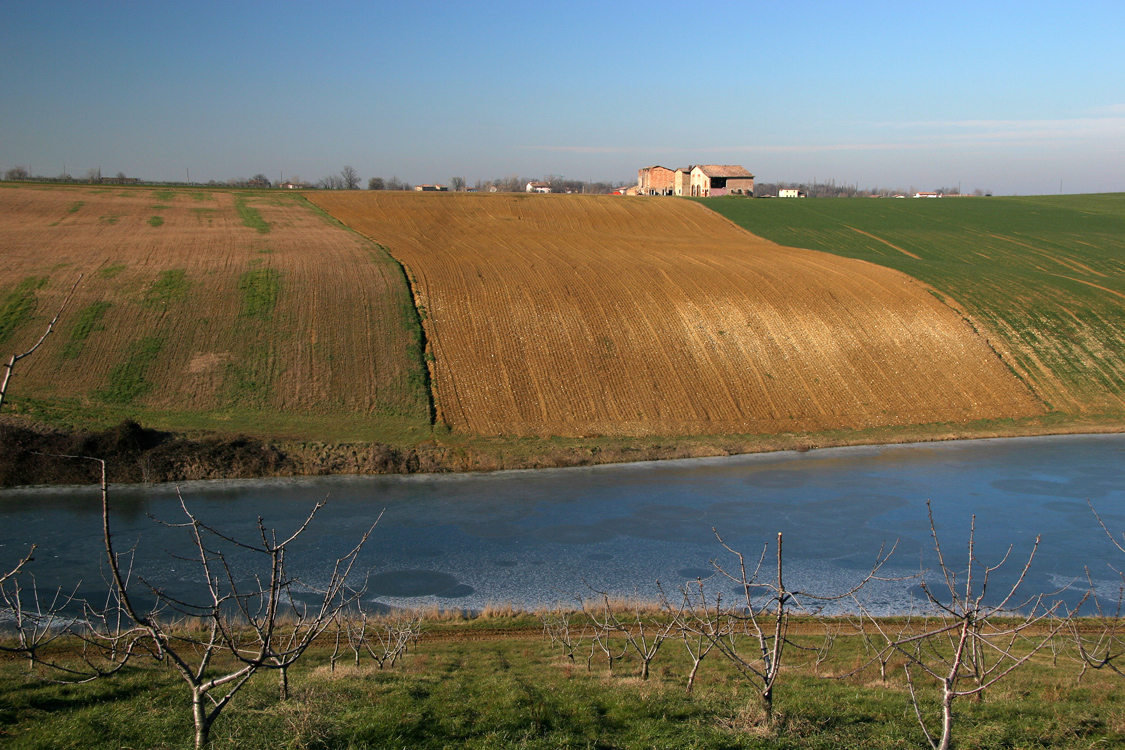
column 1012, row 97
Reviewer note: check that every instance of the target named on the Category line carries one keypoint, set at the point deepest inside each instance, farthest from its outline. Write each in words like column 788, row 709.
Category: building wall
column 681, row 182
column 655, row 181
column 700, row 183
column 740, row 185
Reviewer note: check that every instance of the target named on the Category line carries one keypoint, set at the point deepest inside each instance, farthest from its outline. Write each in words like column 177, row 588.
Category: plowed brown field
column 251, row 308
column 581, row 315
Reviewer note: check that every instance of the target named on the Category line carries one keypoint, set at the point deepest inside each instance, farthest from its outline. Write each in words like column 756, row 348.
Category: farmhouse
column 431, row 188
column 720, row 179
column 656, row 180
column 791, row 193
column 539, row 187
column 927, row 195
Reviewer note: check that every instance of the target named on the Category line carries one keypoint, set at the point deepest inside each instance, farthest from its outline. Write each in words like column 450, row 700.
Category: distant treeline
column 831, row 190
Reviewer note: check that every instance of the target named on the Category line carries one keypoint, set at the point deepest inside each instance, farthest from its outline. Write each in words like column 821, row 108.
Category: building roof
column 724, row 170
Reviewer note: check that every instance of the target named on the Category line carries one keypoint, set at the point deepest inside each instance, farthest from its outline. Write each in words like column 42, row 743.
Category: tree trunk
column 946, row 717
column 202, row 720
column 283, row 683
column 691, row 677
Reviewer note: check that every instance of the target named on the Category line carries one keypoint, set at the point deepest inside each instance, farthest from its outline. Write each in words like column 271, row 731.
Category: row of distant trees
column 349, row 179
column 93, row 175
column 830, row 189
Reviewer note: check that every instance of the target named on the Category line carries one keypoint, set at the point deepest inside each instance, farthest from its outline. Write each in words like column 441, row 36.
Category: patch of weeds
column 259, row 288
column 244, row 385
column 73, row 207
column 19, row 305
column 110, row 272
column 202, row 214
column 163, row 195
column 156, row 221
column 169, row 286
column 110, row 218
column 250, row 216
column 160, row 207
column 127, row 380
column 89, row 320
column 202, row 196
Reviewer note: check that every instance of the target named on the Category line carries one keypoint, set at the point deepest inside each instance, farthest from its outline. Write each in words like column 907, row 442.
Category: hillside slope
column 243, row 312
column 1045, row 274
column 595, row 315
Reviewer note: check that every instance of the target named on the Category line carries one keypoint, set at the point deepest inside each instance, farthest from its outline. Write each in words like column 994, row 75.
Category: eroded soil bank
column 35, row 454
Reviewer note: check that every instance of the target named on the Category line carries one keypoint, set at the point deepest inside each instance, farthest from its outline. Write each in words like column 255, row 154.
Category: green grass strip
column 156, row 221
column 250, row 216
column 259, row 288
column 19, row 305
column 89, row 321
column 171, row 285
column 127, row 380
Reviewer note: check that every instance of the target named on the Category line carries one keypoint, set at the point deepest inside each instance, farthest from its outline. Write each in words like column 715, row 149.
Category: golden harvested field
column 241, row 311
column 597, row 315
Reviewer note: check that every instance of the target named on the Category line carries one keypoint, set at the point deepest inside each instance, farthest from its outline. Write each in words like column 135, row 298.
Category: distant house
column 681, row 181
column 431, row 188
column 791, row 193
column 927, row 195
column 538, row 187
column 655, row 180
column 711, row 180
column 290, row 185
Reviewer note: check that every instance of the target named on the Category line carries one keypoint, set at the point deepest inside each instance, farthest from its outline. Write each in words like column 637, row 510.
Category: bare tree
column 17, row 173
column 560, row 627
column 375, row 183
column 94, row 175
column 457, row 184
column 754, row 634
column 1100, row 641
column 384, row 638
column 350, row 178
column 698, row 630
column 642, row 629
column 10, row 366
column 966, row 639
column 242, row 627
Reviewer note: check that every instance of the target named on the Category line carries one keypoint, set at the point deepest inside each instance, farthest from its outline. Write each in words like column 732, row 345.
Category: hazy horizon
column 1013, row 98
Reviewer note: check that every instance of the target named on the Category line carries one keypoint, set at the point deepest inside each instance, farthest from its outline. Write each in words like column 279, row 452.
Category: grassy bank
column 479, row 685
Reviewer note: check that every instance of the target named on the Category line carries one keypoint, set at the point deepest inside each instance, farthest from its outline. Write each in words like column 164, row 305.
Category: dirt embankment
column 35, row 455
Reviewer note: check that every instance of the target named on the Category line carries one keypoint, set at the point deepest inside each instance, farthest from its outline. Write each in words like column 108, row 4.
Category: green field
column 1044, row 275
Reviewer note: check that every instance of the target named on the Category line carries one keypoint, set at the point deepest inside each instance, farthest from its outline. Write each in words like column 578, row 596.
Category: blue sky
column 1010, row 97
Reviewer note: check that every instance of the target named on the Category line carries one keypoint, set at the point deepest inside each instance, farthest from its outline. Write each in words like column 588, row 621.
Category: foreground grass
column 518, row 691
